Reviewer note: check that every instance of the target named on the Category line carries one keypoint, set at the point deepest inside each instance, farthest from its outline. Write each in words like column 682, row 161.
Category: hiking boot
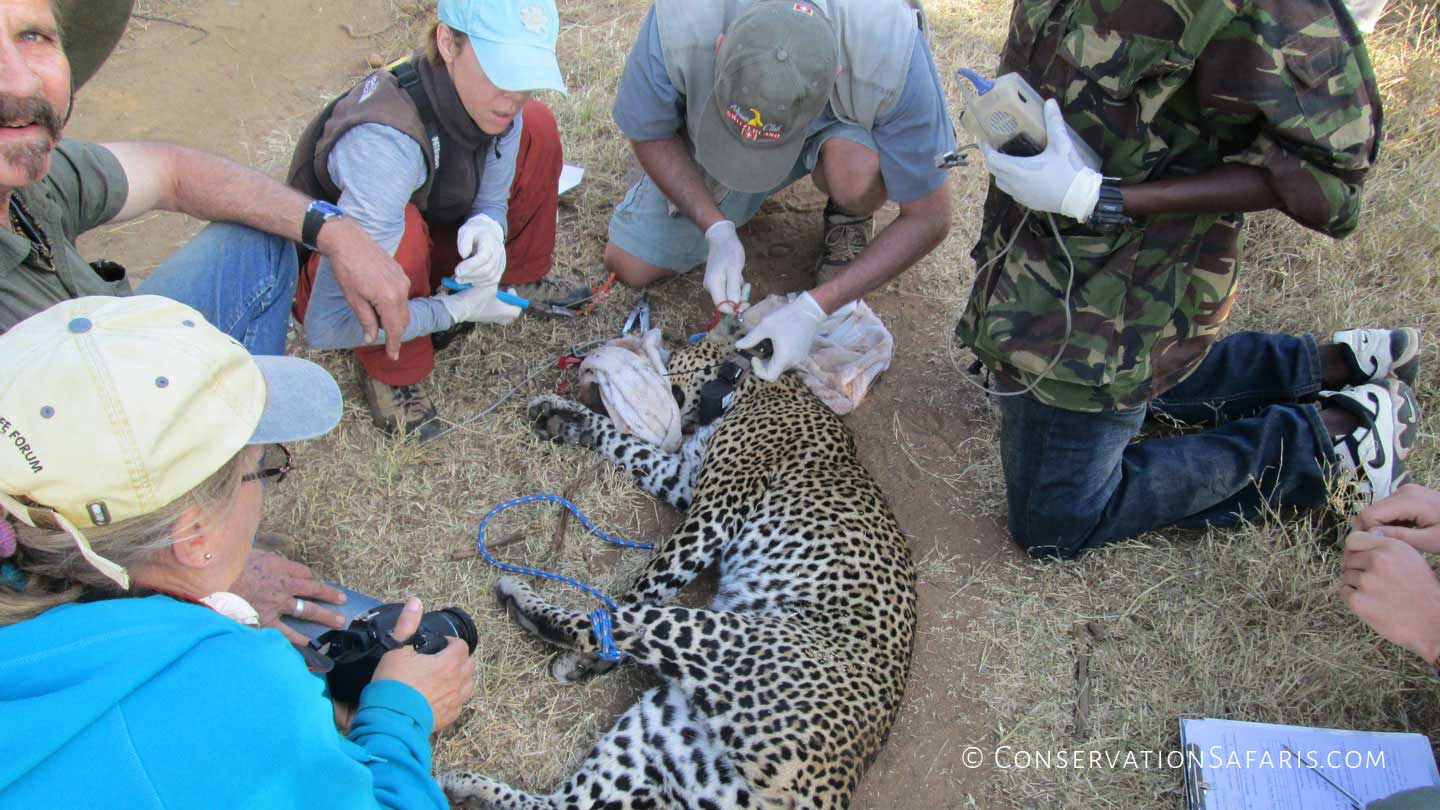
column 1375, row 450
column 400, row 409
column 846, row 235
column 1374, row 354
column 554, row 291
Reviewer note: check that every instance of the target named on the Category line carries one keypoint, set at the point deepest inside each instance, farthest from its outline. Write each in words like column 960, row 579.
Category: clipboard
column 1235, row 765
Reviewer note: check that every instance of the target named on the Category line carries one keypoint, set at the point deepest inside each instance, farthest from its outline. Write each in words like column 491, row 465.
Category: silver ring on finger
column 299, row 606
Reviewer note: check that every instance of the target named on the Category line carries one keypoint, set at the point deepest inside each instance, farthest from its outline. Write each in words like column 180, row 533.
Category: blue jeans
column 242, row 280
column 1075, row 481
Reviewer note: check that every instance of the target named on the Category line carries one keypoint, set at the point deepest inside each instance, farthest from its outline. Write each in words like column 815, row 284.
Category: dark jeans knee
column 1037, row 532
column 1060, row 474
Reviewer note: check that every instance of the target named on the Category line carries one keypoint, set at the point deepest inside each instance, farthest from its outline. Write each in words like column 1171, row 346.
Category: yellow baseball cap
column 111, row 408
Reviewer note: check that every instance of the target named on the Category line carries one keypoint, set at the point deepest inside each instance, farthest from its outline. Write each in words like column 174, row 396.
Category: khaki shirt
column 86, row 187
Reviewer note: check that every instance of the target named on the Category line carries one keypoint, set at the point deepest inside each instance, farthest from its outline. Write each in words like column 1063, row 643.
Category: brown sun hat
column 91, row 30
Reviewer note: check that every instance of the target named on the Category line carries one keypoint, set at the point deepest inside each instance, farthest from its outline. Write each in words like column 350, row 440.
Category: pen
column 1354, row 802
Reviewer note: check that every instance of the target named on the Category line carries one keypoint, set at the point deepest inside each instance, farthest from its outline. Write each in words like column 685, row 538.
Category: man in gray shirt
column 730, row 101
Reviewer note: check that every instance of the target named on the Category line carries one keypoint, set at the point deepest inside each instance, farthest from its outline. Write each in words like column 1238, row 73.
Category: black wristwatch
column 1109, row 213
column 316, row 215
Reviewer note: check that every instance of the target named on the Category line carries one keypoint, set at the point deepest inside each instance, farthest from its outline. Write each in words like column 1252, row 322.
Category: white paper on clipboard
column 1234, row 765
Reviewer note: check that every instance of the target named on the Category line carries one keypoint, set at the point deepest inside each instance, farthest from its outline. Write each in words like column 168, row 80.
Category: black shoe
column 1374, row 354
column 441, row 340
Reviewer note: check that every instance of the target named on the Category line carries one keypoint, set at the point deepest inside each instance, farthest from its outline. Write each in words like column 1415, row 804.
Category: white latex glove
column 724, row 270
column 791, row 328
column 479, row 305
column 1056, row 180
column 481, row 243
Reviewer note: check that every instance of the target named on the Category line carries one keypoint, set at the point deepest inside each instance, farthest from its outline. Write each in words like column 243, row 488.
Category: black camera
column 355, row 651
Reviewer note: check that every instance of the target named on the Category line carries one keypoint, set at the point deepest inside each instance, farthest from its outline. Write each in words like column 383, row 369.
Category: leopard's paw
column 573, row 667
column 561, row 420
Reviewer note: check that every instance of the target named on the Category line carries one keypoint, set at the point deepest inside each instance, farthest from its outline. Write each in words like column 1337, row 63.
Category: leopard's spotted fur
column 782, row 691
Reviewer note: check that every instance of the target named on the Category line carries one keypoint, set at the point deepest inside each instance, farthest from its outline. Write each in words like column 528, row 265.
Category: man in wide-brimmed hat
column 241, row 276
column 239, row 272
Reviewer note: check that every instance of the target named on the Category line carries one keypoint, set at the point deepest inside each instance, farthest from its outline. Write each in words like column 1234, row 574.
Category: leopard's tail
column 472, row 791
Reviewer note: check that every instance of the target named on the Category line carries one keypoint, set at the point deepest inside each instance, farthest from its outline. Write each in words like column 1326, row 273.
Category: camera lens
column 458, row 623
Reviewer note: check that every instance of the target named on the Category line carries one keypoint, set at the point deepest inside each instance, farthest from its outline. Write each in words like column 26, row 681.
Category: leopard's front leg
column 668, row 476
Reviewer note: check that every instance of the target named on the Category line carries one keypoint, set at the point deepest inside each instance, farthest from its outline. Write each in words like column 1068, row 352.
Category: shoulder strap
column 408, row 77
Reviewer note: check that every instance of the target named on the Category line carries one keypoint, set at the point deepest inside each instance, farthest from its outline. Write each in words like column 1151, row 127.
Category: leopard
column 779, row 693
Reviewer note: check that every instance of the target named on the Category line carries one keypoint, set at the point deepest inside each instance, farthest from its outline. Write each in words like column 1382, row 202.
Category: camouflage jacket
column 1164, row 89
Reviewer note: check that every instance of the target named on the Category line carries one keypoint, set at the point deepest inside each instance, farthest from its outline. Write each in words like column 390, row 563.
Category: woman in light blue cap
column 445, row 161
column 138, row 440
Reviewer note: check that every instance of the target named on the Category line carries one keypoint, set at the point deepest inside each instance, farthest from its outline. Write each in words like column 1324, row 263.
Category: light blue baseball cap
column 514, row 40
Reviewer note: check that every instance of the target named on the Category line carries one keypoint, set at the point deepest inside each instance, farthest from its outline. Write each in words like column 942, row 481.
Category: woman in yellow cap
column 135, row 440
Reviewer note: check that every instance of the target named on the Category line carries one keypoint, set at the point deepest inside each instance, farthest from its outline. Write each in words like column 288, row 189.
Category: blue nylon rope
column 599, row 619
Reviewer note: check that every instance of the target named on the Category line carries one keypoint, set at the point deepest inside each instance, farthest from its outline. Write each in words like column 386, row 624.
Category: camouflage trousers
column 1076, row 481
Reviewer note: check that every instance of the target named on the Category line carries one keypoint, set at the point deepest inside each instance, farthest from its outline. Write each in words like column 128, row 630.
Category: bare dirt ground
column 261, row 67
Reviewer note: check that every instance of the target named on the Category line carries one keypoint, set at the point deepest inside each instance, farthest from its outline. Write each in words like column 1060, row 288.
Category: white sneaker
column 1375, row 354
column 1375, row 451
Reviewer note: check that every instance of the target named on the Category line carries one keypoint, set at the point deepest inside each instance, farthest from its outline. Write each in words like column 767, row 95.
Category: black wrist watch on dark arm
column 316, row 215
column 1109, row 213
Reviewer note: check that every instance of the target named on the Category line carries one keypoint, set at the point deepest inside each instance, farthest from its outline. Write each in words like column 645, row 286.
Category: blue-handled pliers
column 638, row 322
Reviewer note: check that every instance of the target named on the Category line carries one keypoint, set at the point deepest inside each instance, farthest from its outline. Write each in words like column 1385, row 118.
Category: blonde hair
column 432, row 45
column 55, row 573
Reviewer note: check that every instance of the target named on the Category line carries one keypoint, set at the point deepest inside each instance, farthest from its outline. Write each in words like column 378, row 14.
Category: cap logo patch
column 751, row 125
column 533, row 19
column 804, row 9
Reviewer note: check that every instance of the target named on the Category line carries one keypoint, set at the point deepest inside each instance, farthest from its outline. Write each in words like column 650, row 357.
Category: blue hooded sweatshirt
column 156, row 703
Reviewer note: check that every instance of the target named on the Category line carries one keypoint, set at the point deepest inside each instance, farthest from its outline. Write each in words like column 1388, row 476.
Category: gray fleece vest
column 454, row 158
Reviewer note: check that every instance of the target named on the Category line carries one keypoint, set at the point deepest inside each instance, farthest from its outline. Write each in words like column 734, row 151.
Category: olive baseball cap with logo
column 774, row 72
column 514, row 40
column 111, row 408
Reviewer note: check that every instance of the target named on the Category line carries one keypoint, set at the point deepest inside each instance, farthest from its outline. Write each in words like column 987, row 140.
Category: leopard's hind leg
column 666, row 639
column 612, row 776
column 698, row 651
column 689, row 550
column 659, row 754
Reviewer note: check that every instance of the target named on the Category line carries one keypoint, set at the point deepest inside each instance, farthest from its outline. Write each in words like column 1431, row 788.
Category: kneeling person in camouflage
column 1199, row 112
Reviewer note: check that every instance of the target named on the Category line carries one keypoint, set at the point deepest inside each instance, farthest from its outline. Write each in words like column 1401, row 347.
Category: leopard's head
column 692, row 366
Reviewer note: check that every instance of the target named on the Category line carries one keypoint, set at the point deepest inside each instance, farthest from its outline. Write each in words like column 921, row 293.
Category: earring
column 208, row 555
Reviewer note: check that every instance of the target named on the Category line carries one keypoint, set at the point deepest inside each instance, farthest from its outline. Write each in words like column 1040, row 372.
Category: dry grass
column 1234, row 624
